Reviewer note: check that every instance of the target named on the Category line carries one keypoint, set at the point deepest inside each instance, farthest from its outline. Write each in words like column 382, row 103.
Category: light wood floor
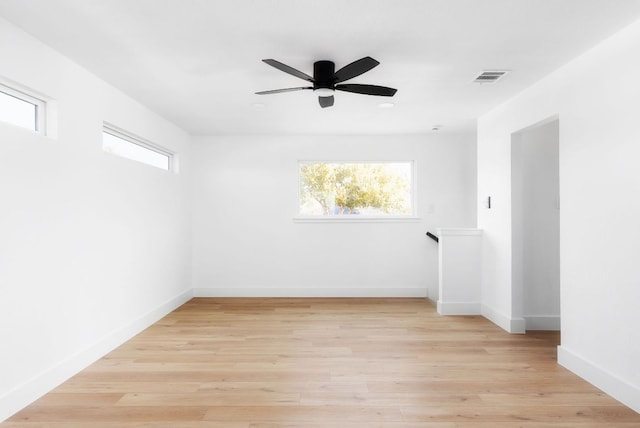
column 266, row 363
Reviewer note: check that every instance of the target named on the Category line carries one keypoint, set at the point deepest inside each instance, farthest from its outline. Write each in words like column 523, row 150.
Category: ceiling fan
column 326, row 80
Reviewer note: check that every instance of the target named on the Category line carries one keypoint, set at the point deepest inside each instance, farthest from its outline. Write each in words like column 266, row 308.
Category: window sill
column 355, row 219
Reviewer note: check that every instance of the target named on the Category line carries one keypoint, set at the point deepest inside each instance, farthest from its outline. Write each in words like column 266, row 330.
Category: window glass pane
column 126, row 149
column 18, row 112
column 365, row 188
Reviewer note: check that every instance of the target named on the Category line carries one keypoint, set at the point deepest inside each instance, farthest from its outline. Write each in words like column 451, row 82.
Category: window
column 21, row 109
column 123, row 144
column 351, row 189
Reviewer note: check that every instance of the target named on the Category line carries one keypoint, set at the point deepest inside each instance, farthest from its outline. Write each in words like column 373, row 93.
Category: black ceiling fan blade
column 382, row 91
column 290, row 70
column 354, row 69
column 326, row 101
column 277, row 91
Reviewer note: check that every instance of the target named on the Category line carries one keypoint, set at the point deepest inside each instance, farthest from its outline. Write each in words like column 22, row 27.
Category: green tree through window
column 378, row 189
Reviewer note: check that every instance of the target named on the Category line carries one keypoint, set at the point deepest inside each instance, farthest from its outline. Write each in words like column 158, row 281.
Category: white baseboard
column 542, row 322
column 511, row 325
column 309, row 292
column 25, row 394
column 459, row 308
column 618, row 388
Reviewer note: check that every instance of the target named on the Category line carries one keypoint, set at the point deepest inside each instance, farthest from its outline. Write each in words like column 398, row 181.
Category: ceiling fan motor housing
column 323, row 72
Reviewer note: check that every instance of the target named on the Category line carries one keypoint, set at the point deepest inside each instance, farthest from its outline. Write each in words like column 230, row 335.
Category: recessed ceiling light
column 386, row 105
column 258, row 106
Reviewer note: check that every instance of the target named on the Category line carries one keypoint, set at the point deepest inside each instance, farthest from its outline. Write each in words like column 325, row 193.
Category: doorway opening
column 535, row 210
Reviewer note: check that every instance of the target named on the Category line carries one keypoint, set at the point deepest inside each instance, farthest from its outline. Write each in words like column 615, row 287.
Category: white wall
column 459, row 270
column 540, row 223
column 596, row 99
column 247, row 243
column 92, row 247
column 536, row 226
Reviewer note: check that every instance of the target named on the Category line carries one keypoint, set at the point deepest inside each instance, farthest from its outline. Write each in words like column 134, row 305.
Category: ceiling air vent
column 490, row 76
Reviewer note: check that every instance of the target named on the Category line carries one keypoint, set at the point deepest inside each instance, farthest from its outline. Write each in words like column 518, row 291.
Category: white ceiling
column 198, row 62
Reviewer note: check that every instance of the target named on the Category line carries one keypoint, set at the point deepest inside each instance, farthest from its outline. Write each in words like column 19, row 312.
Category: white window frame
column 40, row 107
column 108, row 128
column 413, row 217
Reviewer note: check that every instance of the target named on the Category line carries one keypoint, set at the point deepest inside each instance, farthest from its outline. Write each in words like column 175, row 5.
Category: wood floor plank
column 330, row 415
column 317, row 363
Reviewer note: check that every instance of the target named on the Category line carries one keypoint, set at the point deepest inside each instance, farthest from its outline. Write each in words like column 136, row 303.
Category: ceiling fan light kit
column 324, row 92
column 326, row 80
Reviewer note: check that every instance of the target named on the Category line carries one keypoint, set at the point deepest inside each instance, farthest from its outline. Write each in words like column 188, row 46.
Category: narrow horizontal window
column 125, row 145
column 21, row 109
column 356, row 189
